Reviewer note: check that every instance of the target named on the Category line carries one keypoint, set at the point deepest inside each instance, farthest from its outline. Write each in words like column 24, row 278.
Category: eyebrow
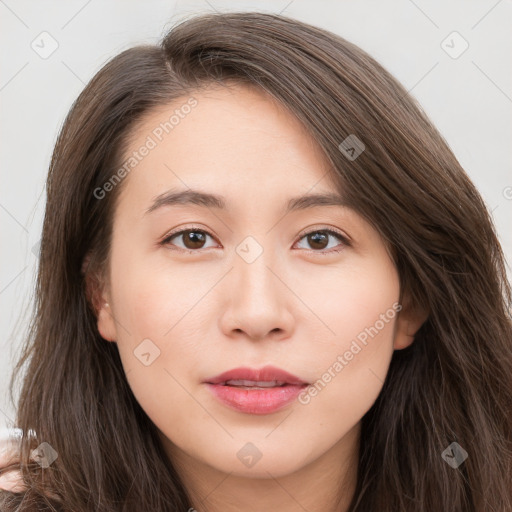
column 196, row 197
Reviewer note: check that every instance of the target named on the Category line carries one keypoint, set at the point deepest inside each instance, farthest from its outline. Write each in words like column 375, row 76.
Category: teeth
column 253, row 383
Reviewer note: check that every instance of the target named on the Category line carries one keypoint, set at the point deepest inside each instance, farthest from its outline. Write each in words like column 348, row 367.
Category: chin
column 277, row 464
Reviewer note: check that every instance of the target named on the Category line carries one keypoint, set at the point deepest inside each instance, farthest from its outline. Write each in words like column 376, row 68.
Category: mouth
column 268, row 376
column 256, row 391
column 251, row 384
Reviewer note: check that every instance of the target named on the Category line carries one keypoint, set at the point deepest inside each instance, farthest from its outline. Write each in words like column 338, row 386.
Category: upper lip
column 265, row 374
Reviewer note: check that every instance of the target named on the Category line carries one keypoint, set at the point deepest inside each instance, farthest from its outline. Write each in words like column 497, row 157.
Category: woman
column 265, row 281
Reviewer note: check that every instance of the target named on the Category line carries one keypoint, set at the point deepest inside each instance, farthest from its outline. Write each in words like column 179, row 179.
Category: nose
column 259, row 304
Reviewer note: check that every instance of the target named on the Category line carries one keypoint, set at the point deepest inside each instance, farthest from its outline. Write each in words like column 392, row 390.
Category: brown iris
column 318, row 237
column 193, row 239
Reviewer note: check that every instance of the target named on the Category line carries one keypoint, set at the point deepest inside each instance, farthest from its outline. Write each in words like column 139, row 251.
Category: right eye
column 192, row 238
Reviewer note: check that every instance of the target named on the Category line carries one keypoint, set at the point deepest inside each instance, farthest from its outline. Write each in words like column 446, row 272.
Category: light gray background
column 469, row 98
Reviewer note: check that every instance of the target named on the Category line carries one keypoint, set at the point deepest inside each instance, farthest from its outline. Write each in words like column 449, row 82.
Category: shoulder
column 9, row 450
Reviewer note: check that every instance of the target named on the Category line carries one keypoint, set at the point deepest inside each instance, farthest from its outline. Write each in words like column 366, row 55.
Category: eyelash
column 344, row 240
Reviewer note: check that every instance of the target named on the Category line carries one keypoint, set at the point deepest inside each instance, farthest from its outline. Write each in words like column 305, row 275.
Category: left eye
column 194, row 239
column 321, row 237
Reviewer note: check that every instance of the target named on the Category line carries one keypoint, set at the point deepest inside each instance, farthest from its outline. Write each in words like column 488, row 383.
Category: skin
column 212, row 311
column 12, row 480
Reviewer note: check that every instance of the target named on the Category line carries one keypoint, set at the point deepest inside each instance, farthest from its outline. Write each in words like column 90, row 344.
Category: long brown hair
column 453, row 384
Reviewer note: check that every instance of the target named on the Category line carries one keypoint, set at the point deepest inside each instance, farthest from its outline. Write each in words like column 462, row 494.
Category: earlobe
column 98, row 299
column 404, row 336
column 408, row 323
column 106, row 323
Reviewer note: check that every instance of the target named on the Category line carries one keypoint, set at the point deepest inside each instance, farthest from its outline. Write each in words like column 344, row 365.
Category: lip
column 257, row 400
column 267, row 373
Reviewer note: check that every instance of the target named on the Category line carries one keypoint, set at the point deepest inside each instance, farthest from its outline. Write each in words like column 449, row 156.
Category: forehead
column 235, row 139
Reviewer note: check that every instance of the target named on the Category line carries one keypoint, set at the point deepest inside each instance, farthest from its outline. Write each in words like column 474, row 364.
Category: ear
column 410, row 318
column 98, row 296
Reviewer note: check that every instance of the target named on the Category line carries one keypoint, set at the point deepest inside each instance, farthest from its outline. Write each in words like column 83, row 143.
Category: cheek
column 154, row 308
column 351, row 359
column 349, row 302
column 152, row 300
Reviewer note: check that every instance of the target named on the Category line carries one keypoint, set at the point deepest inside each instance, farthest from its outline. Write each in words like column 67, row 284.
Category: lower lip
column 256, row 401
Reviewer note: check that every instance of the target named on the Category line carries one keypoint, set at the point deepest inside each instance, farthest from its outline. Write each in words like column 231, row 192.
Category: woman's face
column 261, row 285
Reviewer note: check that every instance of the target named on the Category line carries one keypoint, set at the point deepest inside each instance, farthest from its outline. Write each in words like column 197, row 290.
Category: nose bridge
column 254, row 281
column 257, row 302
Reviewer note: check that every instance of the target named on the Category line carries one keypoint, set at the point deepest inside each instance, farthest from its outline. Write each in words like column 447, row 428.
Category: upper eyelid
column 330, row 230
column 184, row 229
